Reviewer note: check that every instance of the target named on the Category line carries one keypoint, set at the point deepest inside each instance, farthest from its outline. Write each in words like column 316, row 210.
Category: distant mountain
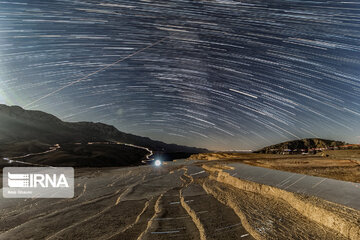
column 307, row 143
column 18, row 125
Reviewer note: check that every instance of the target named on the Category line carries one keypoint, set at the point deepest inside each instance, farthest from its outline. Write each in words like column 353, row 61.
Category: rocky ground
column 179, row 200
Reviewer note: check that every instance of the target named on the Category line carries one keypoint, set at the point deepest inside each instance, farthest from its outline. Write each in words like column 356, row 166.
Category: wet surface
column 345, row 193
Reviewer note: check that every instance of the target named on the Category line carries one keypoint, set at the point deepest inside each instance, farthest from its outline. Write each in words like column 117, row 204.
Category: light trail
column 95, row 72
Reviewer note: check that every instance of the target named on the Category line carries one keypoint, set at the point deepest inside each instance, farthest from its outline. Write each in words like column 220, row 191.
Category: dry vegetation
column 337, row 164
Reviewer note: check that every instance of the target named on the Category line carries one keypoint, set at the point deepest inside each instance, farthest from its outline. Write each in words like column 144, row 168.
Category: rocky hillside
column 18, row 125
column 308, row 143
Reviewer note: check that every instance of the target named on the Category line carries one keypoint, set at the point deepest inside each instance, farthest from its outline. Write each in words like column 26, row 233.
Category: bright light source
column 157, row 163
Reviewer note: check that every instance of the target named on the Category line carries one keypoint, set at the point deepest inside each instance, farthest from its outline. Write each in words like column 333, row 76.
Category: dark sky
column 226, row 75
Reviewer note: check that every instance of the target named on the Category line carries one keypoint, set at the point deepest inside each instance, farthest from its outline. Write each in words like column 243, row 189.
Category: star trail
column 220, row 74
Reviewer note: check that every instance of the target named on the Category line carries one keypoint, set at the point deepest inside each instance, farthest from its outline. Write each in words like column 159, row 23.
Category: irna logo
column 37, row 180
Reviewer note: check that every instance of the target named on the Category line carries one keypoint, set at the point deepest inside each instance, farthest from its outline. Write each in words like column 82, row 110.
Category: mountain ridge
column 20, row 125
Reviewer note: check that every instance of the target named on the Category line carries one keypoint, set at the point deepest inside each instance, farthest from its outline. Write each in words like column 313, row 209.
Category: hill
column 303, row 144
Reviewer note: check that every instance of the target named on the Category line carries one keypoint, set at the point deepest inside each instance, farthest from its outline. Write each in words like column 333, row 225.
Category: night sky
column 220, row 74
